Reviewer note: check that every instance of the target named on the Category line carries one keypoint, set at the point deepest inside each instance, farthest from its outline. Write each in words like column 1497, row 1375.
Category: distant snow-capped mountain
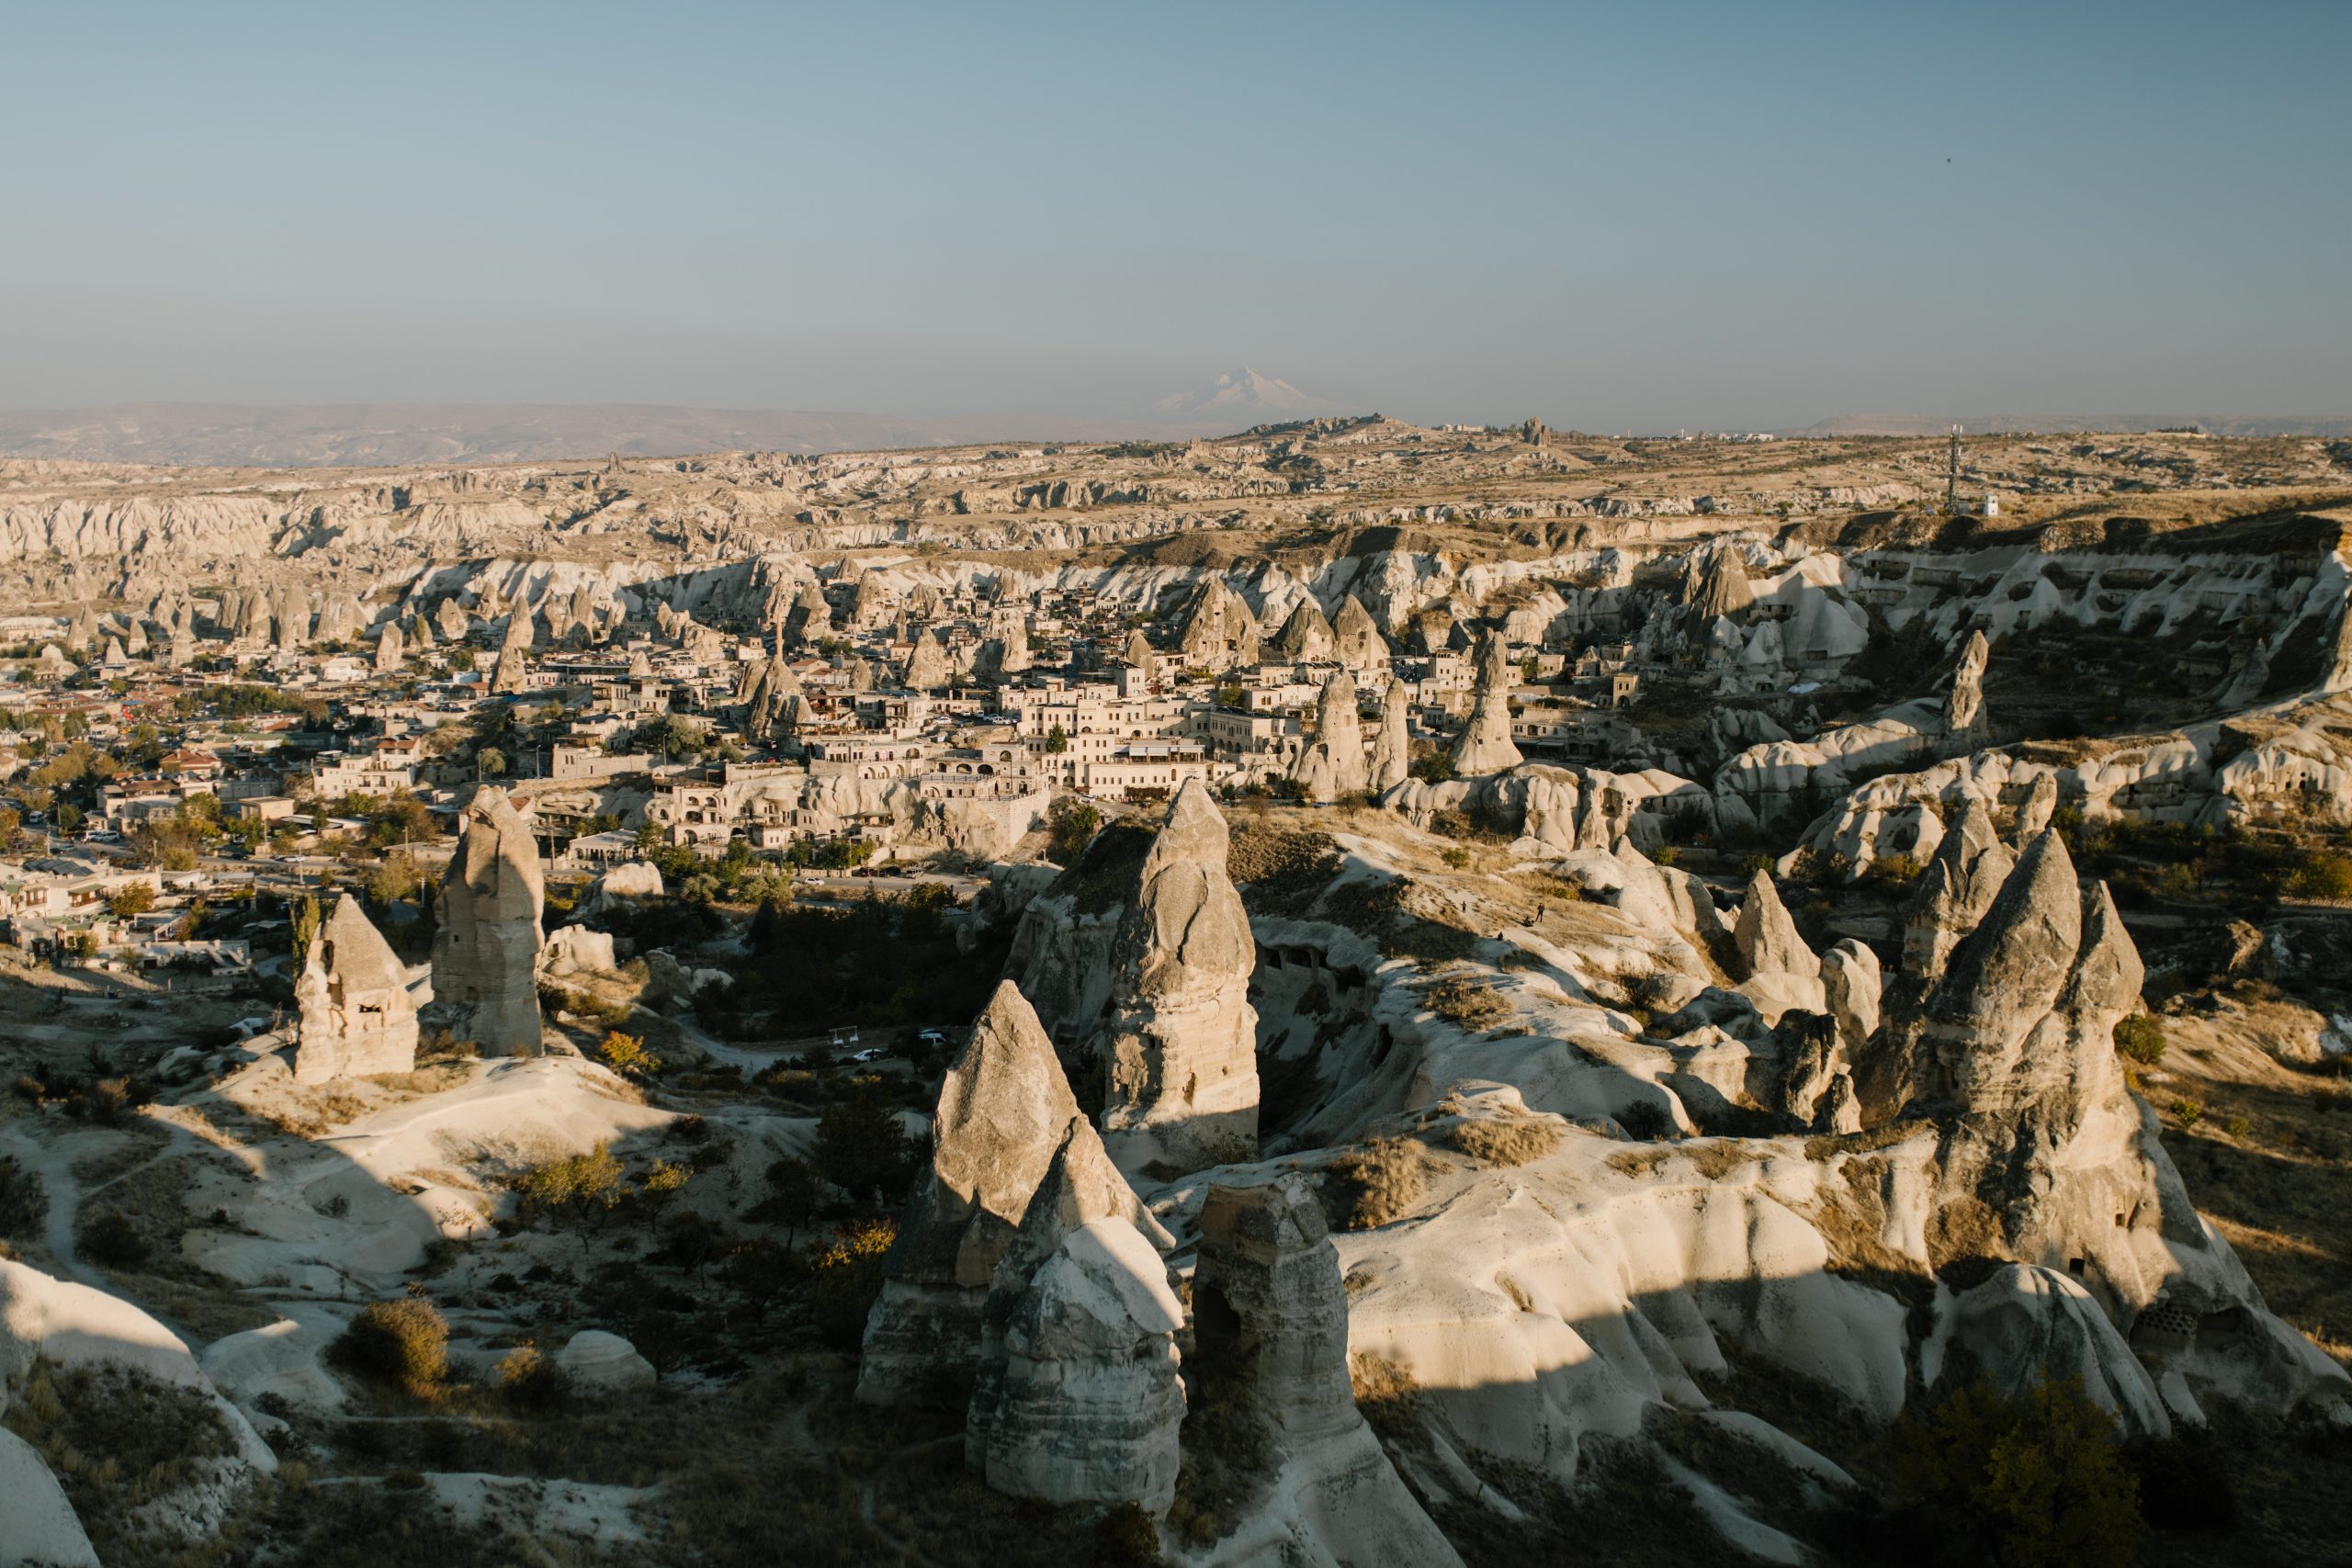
column 1241, row 398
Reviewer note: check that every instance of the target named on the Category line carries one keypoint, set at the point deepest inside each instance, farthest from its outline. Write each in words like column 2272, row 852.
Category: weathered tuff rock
column 1356, row 641
column 2024, row 1324
column 618, row 884
column 38, row 1524
column 1722, row 588
column 1766, row 937
column 1334, row 765
column 1181, row 1042
column 1271, row 1350
column 1965, row 705
column 389, row 648
column 926, row 668
column 1485, row 745
column 1391, row 749
column 598, row 1362
column 1306, row 636
column 769, row 686
column 358, row 1016
column 1076, row 1397
column 1852, row 988
column 2046, row 1156
column 2034, row 813
column 2339, row 677
column 486, row 952
column 1220, row 632
column 1003, row 1110
column 1960, row 885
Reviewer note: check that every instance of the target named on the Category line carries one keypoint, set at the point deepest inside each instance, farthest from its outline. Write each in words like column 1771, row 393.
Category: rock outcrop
column 1220, row 632
column 1003, row 1110
column 2046, row 1156
column 1766, row 937
column 390, row 648
column 1333, row 766
column 1077, row 1398
column 358, row 1015
column 485, row 953
column 1180, row 1048
column 1964, row 706
column 926, row 668
column 600, row 1364
column 1959, row 886
column 1356, row 640
column 1271, row 1353
column 38, row 1525
column 1485, row 745
column 2023, row 1325
column 1391, row 749
column 1306, row 637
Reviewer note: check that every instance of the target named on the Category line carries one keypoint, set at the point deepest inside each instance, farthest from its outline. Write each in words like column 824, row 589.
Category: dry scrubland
column 1723, row 1096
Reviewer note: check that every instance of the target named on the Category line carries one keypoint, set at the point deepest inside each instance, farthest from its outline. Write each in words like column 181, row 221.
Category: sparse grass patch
column 1468, row 1002
column 116, row 1439
column 1370, row 1186
column 1512, row 1140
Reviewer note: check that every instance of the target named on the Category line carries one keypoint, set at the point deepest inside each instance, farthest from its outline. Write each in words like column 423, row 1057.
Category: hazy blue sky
column 1632, row 216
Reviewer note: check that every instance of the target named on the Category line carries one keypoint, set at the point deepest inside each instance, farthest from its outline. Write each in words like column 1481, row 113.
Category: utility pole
column 1951, row 477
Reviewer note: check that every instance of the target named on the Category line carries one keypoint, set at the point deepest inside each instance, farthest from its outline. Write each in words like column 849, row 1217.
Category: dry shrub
column 1507, row 1140
column 404, row 1343
column 1367, row 1187
column 1460, row 999
column 117, row 1440
column 849, row 1278
column 530, row 1379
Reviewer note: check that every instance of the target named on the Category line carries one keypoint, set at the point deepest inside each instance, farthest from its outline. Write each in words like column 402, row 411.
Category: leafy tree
column 130, row 900
column 862, row 1149
column 306, row 924
column 794, row 1191
column 2035, row 1479
column 491, row 762
column 394, row 877
column 112, row 1241
column 627, row 1054
column 531, row 1380
column 1070, row 826
column 849, row 1277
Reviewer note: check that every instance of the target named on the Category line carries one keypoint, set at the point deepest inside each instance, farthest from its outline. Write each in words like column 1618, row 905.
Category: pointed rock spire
column 486, row 949
column 1391, row 749
column 1334, row 765
column 1485, row 745
column 1003, row 1110
column 1181, row 1045
column 1356, row 640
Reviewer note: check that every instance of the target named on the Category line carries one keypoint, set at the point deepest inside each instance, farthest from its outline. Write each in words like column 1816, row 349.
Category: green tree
column 862, row 1149
column 130, row 900
column 1070, row 826
column 306, row 925
column 794, row 1192
column 2036, row 1479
